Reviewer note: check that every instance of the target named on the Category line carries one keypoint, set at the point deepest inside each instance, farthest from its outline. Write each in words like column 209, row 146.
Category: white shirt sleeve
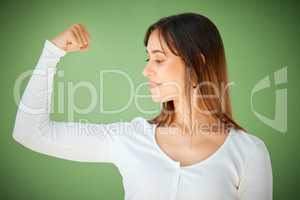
column 83, row 142
column 257, row 180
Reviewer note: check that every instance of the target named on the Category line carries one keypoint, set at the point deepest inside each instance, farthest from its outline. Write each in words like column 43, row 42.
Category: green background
column 260, row 37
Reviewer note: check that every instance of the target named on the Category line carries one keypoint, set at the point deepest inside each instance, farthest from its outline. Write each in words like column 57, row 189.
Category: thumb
column 72, row 47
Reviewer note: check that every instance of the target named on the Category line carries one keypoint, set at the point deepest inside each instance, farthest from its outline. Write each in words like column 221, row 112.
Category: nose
column 149, row 70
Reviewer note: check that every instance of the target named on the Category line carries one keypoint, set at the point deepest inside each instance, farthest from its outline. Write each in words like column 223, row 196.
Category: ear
column 202, row 57
column 194, row 78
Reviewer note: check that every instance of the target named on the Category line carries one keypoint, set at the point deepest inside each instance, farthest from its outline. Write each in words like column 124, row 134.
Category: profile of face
column 164, row 70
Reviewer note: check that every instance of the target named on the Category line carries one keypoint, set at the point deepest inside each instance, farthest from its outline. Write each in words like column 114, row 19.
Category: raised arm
column 84, row 142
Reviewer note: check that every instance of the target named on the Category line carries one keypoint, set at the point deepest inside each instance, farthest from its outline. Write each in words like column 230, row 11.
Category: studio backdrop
column 106, row 84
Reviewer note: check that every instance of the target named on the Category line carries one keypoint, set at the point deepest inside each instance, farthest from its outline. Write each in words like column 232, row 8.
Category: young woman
column 192, row 150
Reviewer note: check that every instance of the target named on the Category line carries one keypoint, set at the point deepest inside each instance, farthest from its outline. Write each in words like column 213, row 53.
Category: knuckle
column 78, row 26
column 74, row 27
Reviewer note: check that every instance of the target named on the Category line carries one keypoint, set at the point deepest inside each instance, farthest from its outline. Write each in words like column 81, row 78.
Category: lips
column 153, row 84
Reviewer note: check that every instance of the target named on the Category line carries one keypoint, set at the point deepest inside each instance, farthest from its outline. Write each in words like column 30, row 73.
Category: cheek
column 172, row 73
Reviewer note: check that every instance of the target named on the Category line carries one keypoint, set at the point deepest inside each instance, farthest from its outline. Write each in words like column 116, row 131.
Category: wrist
column 59, row 43
column 54, row 49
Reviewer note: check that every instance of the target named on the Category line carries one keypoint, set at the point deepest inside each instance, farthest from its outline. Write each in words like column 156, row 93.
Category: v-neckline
column 197, row 164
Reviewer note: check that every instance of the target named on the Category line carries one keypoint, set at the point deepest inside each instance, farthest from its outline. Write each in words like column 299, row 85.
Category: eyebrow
column 156, row 51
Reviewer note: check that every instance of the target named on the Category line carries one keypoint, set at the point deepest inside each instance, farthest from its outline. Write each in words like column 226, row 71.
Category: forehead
column 156, row 42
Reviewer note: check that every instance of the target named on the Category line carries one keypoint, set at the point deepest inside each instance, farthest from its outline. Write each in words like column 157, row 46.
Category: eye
column 157, row 61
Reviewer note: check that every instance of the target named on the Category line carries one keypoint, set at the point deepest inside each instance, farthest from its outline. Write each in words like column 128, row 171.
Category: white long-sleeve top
column 239, row 169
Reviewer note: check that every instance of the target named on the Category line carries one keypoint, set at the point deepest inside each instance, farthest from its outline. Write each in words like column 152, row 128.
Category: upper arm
column 83, row 142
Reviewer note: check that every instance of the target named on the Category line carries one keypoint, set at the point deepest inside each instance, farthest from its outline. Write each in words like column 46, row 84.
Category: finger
column 84, row 43
column 84, row 33
column 84, row 49
column 74, row 43
column 86, row 38
column 72, row 47
column 75, row 37
column 81, row 34
column 83, row 37
column 77, row 34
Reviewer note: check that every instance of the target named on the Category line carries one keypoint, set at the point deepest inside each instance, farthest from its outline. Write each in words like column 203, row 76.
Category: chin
column 159, row 100
column 156, row 100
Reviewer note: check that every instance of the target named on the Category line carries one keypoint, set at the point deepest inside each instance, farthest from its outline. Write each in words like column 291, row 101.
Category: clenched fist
column 75, row 38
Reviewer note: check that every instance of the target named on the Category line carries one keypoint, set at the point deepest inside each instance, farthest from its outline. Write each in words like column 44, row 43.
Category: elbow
column 21, row 130
column 22, row 138
column 17, row 136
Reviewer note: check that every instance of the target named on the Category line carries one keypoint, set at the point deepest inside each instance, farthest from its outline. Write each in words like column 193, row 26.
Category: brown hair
column 197, row 41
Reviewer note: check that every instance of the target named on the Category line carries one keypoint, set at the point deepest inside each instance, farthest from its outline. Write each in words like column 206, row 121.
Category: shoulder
column 135, row 127
column 140, row 121
column 248, row 146
column 140, row 124
column 247, row 140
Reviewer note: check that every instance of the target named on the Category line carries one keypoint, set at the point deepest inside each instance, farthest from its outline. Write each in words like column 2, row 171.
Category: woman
column 192, row 150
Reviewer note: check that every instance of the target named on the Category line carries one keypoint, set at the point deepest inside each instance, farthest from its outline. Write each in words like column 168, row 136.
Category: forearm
column 33, row 110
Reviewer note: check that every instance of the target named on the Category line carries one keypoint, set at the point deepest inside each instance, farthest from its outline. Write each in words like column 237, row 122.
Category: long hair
column 197, row 41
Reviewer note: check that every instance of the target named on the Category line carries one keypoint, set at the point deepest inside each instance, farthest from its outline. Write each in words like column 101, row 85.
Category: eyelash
column 158, row 61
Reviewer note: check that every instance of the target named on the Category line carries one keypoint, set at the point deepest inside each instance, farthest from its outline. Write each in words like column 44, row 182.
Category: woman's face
column 164, row 70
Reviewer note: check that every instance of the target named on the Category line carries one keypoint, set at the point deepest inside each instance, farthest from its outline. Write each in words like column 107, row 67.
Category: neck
column 194, row 120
